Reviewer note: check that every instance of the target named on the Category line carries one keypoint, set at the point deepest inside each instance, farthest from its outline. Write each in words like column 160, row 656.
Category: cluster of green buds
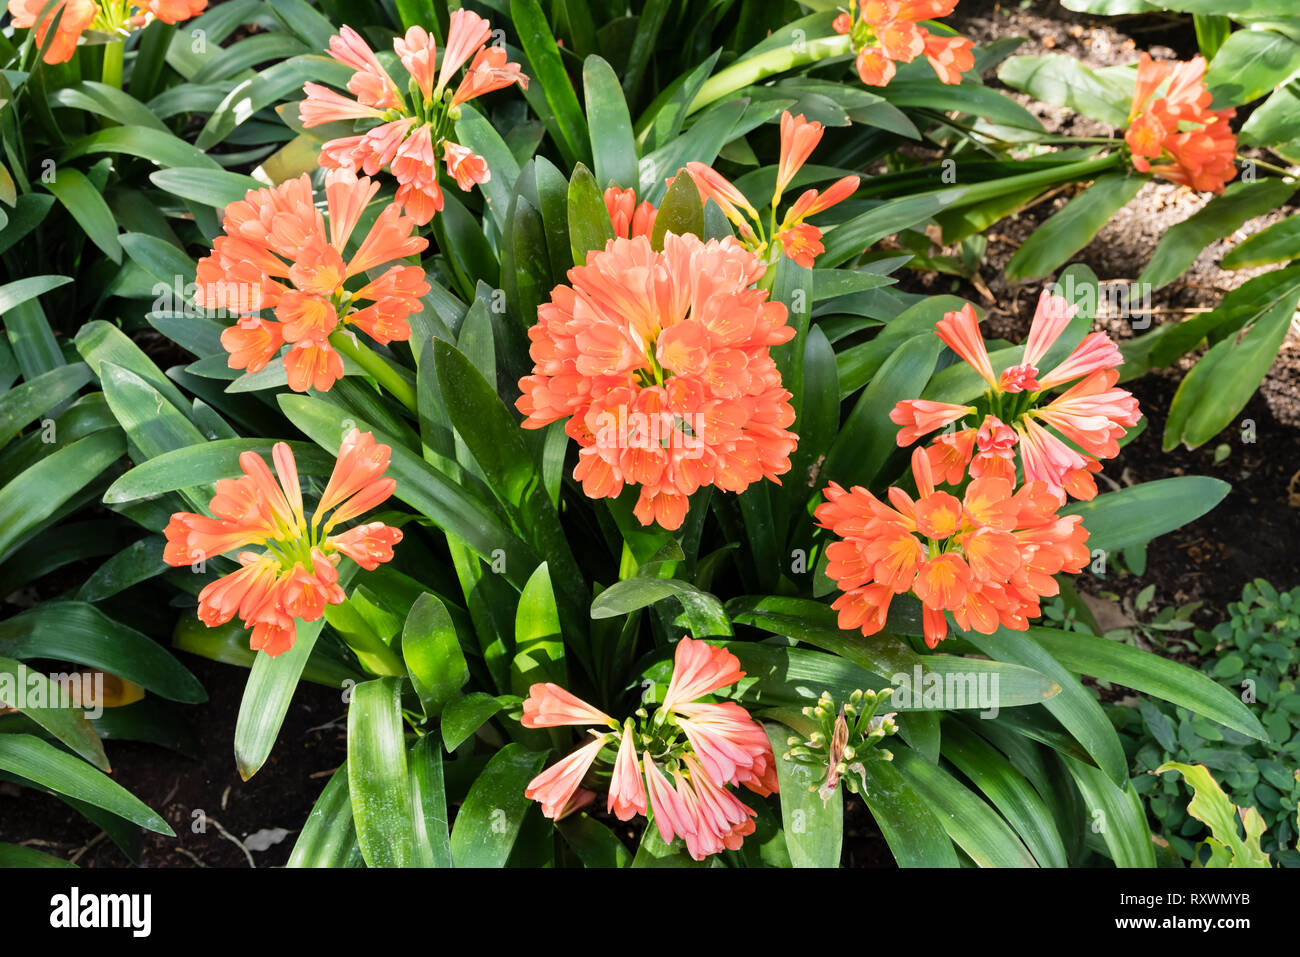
column 846, row 738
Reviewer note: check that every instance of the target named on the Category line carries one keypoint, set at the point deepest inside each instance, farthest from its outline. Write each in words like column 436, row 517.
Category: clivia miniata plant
column 549, row 381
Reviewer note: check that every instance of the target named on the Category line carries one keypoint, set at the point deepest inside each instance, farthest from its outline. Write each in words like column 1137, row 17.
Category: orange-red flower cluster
column 412, row 135
column 684, row 783
column 278, row 255
column 297, row 574
column 661, row 363
column 796, row 238
column 886, row 32
column 78, row 16
column 987, row 557
column 1170, row 122
column 1092, row 414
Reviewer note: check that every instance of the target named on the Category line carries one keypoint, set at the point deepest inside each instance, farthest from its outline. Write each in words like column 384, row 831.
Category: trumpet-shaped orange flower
column 278, row 255
column 987, row 557
column 1011, row 415
column 795, row 238
column 297, row 574
column 411, row 136
column 77, row 17
column 661, row 363
column 884, row 33
column 1171, row 123
column 685, row 784
column 175, row 11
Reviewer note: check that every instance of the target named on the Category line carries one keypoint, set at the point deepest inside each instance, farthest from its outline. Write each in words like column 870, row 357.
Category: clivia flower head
column 883, row 32
column 795, row 238
column 1170, row 122
column 277, row 254
column 413, row 131
column 987, row 557
column 1092, row 414
column 296, row 575
column 661, row 363
column 112, row 16
column 678, row 763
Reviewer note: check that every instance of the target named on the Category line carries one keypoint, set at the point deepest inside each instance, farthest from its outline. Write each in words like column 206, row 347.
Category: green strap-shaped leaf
column 32, row 399
column 1073, row 227
column 31, row 498
column 35, row 760
column 328, row 837
column 1011, row 794
column 432, row 653
column 1141, row 670
column 429, row 796
column 69, row 725
column 907, row 821
column 547, row 68
column 814, row 829
column 1221, row 216
column 1116, row 814
column 613, row 146
column 974, row 826
column 493, row 811
column 382, row 810
column 1139, row 513
column 80, row 198
column 539, row 642
column 1074, row 707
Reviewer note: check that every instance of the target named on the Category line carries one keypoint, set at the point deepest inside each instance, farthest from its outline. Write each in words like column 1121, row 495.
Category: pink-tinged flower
column 77, row 17
column 919, row 417
column 882, row 32
column 370, row 84
column 699, row 668
column 626, row 790
column 629, row 218
column 714, row 186
column 981, row 557
column 555, row 787
column 960, row 332
column 465, row 166
column 278, row 254
column 297, row 575
column 489, row 71
column 466, row 33
column 409, row 136
column 418, row 52
column 550, row 706
column 685, row 783
column 673, row 816
column 1093, row 414
column 660, row 360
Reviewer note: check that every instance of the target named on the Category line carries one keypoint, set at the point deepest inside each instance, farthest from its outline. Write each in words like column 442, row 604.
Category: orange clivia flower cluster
column 678, row 764
column 987, row 557
column 277, row 254
column 796, row 238
column 1010, row 417
column 884, row 33
column 75, row 17
column 297, row 574
column 660, row 361
column 1170, row 122
column 413, row 133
